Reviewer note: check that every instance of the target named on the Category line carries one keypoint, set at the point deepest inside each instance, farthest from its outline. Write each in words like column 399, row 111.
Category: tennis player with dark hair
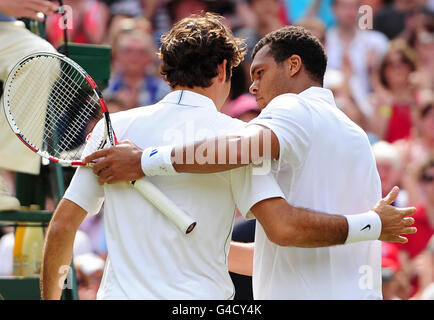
column 321, row 160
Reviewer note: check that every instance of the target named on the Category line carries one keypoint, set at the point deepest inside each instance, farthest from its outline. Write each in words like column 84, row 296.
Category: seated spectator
column 410, row 253
column 88, row 25
column 337, row 82
column 89, row 270
column 300, row 9
column 132, row 81
column 119, row 24
column 389, row 168
column 421, row 39
column 421, row 144
column 426, row 273
column 315, row 26
column 269, row 14
column 396, row 285
column 397, row 17
column 393, row 98
column 179, row 9
column 354, row 51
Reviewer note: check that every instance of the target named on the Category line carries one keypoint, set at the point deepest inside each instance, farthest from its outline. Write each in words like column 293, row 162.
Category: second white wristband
column 363, row 226
column 157, row 161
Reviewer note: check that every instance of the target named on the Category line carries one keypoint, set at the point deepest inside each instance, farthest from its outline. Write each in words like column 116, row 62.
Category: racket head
column 52, row 104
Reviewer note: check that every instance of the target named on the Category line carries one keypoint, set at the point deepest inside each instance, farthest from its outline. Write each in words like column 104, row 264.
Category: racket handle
column 183, row 221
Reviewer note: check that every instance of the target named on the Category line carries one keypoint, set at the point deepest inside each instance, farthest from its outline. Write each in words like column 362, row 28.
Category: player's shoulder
column 288, row 105
column 227, row 122
column 285, row 99
column 134, row 113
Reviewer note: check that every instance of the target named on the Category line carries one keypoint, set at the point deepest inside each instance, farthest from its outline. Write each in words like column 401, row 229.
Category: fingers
column 401, row 239
column 99, row 167
column 36, row 9
column 96, row 155
column 405, row 212
column 408, row 221
column 392, row 195
column 125, row 142
column 104, row 176
column 410, row 230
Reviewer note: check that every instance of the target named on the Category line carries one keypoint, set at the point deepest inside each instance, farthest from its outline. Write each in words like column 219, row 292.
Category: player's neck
column 301, row 86
column 207, row 92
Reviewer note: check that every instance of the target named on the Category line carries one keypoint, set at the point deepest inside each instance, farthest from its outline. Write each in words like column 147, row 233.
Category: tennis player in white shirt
column 322, row 162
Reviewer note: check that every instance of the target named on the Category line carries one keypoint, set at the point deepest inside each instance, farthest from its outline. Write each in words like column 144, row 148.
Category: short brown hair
column 194, row 47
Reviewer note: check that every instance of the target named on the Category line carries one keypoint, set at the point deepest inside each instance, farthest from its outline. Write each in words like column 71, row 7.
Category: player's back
column 152, row 257
column 331, row 170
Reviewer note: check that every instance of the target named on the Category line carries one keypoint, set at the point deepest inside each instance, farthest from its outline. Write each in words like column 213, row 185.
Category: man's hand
column 394, row 221
column 27, row 8
column 119, row 163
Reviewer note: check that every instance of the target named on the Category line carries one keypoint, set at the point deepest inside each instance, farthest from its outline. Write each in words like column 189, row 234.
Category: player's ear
column 293, row 64
column 221, row 71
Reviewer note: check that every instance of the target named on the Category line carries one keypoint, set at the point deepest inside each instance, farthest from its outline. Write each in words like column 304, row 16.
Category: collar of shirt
column 319, row 92
column 189, row 98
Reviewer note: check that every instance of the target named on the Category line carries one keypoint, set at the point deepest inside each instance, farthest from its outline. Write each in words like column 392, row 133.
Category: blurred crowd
column 380, row 69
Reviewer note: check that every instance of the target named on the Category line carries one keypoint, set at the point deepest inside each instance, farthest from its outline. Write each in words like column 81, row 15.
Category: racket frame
column 185, row 223
column 6, row 108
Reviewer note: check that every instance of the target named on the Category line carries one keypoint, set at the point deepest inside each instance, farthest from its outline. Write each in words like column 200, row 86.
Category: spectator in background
column 132, row 82
column 389, row 166
column 393, row 97
column 88, row 25
column 410, row 253
column 399, row 17
column 133, row 8
column 314, row 25
column 89, row 269
column 396, row 285
column 300, row 9
column 426, row 273
column 121, row 23
column 269, row 16
column 354, row 51
column 179, row 9
column 337, row 82
column 421, row 40
column 420, row 146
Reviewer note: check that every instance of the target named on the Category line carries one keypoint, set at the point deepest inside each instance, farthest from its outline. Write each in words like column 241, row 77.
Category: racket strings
column 53, row 106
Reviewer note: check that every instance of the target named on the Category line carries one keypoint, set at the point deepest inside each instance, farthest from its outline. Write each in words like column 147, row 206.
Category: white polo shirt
column 148, row 257
column 326, row 164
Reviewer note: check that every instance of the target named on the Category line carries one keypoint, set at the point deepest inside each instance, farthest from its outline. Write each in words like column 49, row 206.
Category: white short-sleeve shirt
column 325, row 164
column 148, row 257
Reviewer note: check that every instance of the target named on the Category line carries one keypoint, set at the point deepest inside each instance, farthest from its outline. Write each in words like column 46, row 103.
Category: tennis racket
column 52, row 105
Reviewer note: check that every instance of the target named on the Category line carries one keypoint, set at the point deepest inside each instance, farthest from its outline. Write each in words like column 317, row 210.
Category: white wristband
column 158, row 161
column 363, row 227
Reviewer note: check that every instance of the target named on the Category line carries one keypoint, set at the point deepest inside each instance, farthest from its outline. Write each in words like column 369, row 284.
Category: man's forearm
column 57, row 258
column 212, row 155
column 127, row 162
column 58, row 248
column 286, row 225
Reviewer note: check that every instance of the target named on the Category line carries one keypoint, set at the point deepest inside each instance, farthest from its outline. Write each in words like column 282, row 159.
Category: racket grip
column 183, row 221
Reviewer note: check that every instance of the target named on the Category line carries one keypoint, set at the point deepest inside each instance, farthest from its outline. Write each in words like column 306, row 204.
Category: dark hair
column 291, row 40
column 194, row 47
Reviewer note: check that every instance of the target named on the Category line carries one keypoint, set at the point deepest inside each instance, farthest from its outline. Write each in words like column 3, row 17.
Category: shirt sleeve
column 249, row 188
column 84, row 189
column 291, row 122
